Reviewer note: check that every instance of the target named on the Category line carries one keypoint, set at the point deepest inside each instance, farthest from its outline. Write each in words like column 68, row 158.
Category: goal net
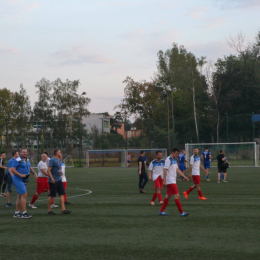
column 118, row 158
column 238, row 154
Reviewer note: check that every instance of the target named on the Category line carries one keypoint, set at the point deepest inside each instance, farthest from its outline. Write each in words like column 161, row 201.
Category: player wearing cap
column 42, row 180
column 195, row 174
column 21, row 169
column 157, row 166
column 206, row 157
column 169, row 181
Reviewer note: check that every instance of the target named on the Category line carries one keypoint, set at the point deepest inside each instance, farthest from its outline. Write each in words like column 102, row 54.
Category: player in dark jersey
column 206, row 157
column 181, row 164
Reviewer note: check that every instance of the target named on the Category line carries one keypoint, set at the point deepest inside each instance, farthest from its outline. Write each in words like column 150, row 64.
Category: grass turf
column 116, row 222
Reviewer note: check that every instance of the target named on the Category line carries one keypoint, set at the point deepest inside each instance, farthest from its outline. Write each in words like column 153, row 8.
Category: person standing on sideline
column 55, row 182
column 195, row 173
column 206, row 157
column 157, row 166
column 9, row 174
column 222, row 165
column 64, row 180
column 181, row 163
column 21, row 169
column 129, row 160
column 3, row 176
column 42, row 180
column 169, row 181
column 143, row 179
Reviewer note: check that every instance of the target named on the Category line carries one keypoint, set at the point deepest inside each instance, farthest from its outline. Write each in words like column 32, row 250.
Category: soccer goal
column 118, row 158
column 238, row 154
column 68, row 162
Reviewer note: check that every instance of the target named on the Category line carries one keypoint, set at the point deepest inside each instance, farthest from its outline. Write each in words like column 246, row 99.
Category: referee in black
column 222, row 165
column 143, row 178
column 3, row 176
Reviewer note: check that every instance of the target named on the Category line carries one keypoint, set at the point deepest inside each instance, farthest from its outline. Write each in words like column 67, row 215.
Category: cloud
column 7, row 51
column 236, row 4
column 78, row 55
column 210, row 23
column 197, row 12
column 10, row 7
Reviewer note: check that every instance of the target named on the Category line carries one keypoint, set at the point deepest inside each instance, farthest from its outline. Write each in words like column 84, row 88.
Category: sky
column 100, row 43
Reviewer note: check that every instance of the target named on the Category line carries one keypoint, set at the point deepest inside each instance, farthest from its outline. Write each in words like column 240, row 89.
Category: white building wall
column 95, row 120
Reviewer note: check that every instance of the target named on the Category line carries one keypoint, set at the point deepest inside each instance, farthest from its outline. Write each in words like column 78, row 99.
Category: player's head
column 15, row 154
column 46, row 154
column 44, row 157
column 195, row 151
column 221, row 151
column 206, row 149
column 175, row 152
column 158, row 155
column 3, row 154
column 24, row 153
column 57, row 153
column 142, row 153
column 183, row 152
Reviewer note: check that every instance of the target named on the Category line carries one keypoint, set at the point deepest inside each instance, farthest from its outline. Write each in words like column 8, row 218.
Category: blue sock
column 222, row 176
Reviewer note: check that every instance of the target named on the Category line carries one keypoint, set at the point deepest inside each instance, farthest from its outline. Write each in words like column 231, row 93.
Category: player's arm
column 182, row 175
column 140, row 168
column 10, row 172
column 201, row 167
column 190, row 171
column 44, row 172
column 50, row 175
column 164, row 177
column 33, row 172
column 14, row 171
column 186, row 162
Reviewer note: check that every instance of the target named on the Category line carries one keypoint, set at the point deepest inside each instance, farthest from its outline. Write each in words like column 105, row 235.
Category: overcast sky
column 102, row 42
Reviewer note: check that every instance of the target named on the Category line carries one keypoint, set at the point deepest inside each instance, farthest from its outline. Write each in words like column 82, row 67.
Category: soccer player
column 42, row 180
column 169, row 181
column 143, row 179
column 3, row 177
column 145, row 159
column 55, row 182
column 195, row 173
column 222, row 169
column 157, row 166
column 129, row 160
column 181, row 163
column 64, row 180
column 206, row 157
column 9, row 174
column 21, row 169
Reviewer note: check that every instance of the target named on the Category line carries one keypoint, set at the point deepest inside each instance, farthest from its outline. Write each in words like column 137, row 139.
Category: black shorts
column 56, row 187
column 222, row 169
column 2, row 175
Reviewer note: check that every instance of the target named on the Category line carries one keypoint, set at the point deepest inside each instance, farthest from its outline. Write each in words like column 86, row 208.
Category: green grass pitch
column 116, row 222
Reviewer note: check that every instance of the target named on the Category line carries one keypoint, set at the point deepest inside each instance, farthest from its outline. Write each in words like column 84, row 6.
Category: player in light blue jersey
column 181, row 164
column 206, row 157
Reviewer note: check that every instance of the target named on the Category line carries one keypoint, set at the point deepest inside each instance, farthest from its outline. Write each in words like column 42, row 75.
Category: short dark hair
column 195, row 147
column 3, row 152
column 14, row 152
column 158, row 152
column 55, row 151
column 220, row 151
column 142, row 152
column 175, row 149
column 206, row 148
column 46, row 153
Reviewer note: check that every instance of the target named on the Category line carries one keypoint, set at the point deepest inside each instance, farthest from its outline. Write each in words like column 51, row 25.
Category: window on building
column 106, row 124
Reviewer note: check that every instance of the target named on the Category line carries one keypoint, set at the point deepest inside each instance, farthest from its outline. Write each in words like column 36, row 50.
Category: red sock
column 65, row 197
column 200, row 193
column 52, row 202
column 159, row 196
column 34, row 198
column 154, row 197
column 178, row 204
column 190, row 190
column 165, row 203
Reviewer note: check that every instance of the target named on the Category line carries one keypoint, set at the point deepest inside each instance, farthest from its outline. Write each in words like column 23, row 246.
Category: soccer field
column 116, row 222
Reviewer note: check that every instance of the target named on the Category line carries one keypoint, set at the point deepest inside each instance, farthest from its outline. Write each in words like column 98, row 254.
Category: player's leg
column 145, row 177
column 199, row 190
column 178, row 204
column 9, row 191
column 1, row 182
column 159, row 195
column 154, row 195
column 187, row 192
column 52, row 194
column 65, row 196
column 61, row 192
column 34, row 198
column 140, row 182
column 225, row 175
column 4, row 185
column 165, row 203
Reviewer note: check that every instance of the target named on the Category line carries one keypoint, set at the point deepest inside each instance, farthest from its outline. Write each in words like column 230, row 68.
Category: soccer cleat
column 26, row 215
column 161, row 202
column 3, row 194
column 17, row 215
column 152, row 203
column 163, row 214
column 202, row 198
column 32, row 206
column 225, row 181
column 207, row 179
column 185, row 194
column 67, row 203
column 66, row 211
column 219, row 181
column 184, row 214
column 141, row 191
column 8, row 205
column 53, row 206
column 51, row 213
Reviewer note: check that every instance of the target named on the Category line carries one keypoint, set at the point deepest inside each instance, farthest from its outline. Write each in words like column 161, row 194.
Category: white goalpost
column 118, row 158
column 238, row 154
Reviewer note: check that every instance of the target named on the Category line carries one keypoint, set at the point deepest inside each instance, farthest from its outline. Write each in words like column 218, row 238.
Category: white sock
column 16, row 212
column 24, row 212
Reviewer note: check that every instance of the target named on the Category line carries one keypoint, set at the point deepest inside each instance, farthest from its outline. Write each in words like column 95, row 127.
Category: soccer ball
column 174, row 89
